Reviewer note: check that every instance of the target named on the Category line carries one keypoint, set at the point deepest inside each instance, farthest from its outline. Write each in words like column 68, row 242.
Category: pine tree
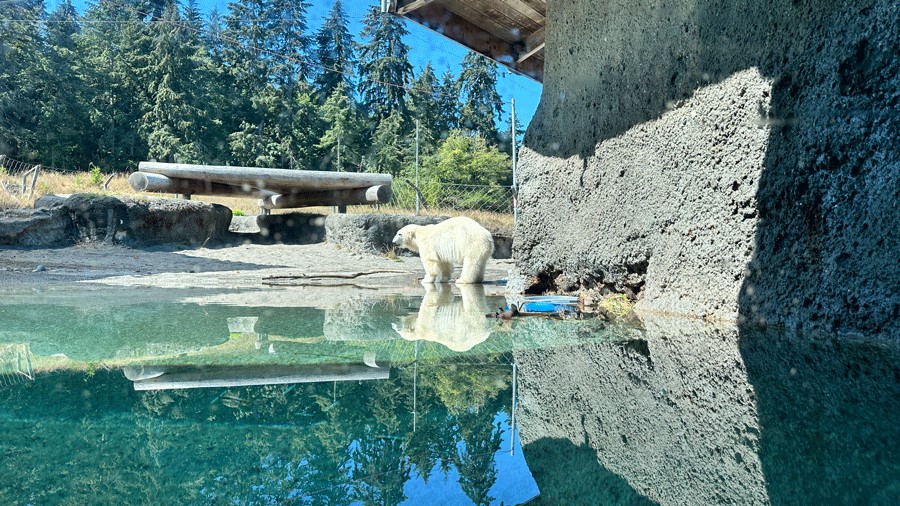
column 388, row 148
column 265, row 57
column 481, row 106
column 20, row 56
column 290, row 44
column 335, row 53
column 448, row 105
column 385, row 71
column 175, row 122
column 112, row 50
column 64, row 130
column 344, row 131
column 425, row 105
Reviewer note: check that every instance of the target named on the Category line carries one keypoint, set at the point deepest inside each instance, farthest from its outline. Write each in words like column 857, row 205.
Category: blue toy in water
column 548, row 304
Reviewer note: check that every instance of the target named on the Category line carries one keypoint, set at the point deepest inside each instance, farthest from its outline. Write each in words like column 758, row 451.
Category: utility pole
column 341, row 208
column 515, row 189
column 417, row 168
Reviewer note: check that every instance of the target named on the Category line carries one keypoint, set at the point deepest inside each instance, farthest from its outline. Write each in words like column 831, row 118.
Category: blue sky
column 426, row 46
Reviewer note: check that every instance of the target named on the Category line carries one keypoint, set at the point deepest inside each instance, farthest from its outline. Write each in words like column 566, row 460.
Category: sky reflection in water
column 148, row 396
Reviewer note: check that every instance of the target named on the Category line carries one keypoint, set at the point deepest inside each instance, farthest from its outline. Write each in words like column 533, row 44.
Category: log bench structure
column 275, row 188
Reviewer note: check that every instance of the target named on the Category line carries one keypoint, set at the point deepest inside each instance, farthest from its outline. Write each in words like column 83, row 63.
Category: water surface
column 131, row 396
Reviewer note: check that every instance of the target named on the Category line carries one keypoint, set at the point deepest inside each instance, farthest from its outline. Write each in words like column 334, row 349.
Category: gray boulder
column 370, row 233
column 124, row 220
column 36, row 227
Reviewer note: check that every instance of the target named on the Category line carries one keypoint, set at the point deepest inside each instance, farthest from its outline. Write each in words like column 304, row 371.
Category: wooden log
column 276, row 180
column 379, row 194
column 150, row 182
column 223, row 376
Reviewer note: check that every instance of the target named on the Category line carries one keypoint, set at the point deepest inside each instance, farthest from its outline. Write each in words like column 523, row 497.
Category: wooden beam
column 276, row 180
column 525, row 9
column 380, row 194
column 403, row 7
column 532, row 44
column 478, row 39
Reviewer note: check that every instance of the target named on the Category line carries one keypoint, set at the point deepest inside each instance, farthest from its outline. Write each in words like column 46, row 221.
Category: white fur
column 450, row 243
column 459, row 323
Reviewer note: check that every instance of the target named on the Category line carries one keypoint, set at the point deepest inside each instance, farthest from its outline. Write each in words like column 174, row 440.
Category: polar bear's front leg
column 434, row 272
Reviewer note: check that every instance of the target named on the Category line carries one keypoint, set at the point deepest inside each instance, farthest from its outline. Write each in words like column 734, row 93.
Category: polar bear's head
column 406, row 238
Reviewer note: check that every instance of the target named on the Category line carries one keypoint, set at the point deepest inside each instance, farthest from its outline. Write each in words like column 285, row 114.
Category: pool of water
column 111, row 395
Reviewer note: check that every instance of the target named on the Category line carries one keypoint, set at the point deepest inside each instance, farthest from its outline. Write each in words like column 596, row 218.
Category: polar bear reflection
column 459, row 323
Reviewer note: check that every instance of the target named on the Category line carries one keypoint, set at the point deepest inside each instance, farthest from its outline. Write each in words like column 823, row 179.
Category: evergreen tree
column 21, row 58
column 448, row 105
column 388, row 151
column 290, row 44
column 64, row 130
column 385, row 71
column 335, row 53
column 265, row 60
column 425, row 105
column 111, row 51
column 175, row 120
column 344, row 131
column 193, row 18
column 481, row 106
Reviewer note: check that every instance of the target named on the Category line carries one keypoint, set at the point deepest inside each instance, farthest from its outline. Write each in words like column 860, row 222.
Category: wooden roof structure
column 510, row 32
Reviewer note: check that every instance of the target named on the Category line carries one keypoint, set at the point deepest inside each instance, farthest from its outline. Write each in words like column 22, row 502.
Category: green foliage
column 464, row 173
column 96, row 178
column 131, row 81
column 237, row 212
column 482, row 105
column 384, row 68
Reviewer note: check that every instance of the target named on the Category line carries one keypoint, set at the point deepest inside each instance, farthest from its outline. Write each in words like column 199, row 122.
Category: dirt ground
column 250, row 266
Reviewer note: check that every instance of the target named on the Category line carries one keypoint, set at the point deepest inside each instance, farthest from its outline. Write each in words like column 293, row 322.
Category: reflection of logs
column 210, row 377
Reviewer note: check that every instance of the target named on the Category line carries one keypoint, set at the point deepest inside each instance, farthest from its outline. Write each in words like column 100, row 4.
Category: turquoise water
column 115, row 396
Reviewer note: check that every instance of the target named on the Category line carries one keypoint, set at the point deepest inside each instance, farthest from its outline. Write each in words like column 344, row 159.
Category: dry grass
column 50, row 183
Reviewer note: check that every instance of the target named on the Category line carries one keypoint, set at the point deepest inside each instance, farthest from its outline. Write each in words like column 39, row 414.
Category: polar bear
column 455, row 322
column 447, row 244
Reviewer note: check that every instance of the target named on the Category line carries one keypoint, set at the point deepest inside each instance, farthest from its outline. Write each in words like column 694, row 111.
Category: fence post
column 37, row 170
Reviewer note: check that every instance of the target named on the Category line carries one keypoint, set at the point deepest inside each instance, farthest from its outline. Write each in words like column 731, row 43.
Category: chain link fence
column 434, row 195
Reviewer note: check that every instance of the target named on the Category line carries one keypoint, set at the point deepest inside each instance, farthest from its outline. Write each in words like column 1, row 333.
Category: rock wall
column 66, row 220
column 724, row 158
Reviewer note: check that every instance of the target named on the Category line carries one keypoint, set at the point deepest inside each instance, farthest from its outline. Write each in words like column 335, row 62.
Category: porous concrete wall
column 720, row 158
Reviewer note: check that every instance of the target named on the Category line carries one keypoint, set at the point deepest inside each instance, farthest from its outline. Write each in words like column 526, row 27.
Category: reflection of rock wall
column 698, row 415
column 671, row 415
column 457, row 323
column 829, row 413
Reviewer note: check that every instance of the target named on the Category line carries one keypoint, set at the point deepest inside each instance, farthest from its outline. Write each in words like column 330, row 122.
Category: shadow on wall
column 829, row 412
column 830, row 179
column 569, row 474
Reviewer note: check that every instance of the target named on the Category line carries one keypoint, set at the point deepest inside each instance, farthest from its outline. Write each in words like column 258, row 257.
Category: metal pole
column 417, row 168
column 512, row 423
column 415, row 386
column 341, row 208
column 514, row 187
